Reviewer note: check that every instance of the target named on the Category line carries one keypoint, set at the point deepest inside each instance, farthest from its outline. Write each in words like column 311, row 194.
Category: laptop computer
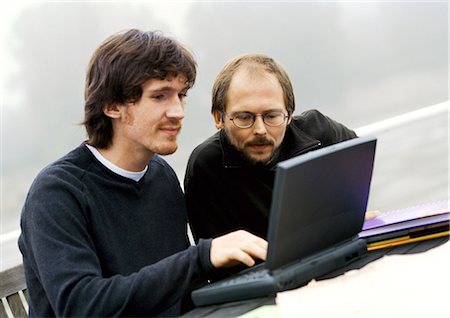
column 318, row 205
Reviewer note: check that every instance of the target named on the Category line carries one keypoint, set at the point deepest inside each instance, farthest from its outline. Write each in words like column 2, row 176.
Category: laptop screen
column 319, row 200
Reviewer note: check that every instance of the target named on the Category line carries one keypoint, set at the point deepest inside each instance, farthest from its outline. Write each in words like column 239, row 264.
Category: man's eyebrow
column 264, row 112
column 163, row 89
column 160, row 89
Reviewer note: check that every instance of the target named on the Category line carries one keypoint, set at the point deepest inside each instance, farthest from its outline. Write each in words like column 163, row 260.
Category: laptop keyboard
column 253, row 275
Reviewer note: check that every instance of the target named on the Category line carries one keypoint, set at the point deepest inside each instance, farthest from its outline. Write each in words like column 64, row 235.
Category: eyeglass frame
column 256, row 115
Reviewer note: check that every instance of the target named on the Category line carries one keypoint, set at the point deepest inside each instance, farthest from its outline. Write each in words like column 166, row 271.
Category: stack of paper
column 408, row 225
column 414, row 285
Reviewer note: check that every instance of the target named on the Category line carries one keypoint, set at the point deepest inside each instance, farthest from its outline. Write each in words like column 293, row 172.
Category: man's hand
column 371, row 215
column 237, row 247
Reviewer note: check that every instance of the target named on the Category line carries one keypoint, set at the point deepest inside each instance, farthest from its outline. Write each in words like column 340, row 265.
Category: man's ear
column 218, row 119
column 289, row 120
column 112, row 110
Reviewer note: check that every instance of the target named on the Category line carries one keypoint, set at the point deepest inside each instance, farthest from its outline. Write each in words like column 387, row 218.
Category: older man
column 229, row 177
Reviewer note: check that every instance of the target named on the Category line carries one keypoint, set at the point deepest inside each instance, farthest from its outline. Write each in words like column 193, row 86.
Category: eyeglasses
column 246, row 119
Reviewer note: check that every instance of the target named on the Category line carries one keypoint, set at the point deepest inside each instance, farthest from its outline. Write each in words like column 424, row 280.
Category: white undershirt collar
column 136, row 176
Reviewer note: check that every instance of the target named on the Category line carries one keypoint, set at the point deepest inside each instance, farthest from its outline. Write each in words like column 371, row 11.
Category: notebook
column 318, row 205
column 413, row 224
column 403, row 221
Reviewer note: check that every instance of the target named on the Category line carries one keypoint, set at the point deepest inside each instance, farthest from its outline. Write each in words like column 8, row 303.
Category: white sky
column 171, row 12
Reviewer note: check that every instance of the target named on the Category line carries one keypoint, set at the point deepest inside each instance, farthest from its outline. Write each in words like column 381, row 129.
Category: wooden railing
column 13, row 293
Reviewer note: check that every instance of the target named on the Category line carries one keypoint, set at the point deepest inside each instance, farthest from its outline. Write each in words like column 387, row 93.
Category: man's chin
column 259, row 159
column 166, row 150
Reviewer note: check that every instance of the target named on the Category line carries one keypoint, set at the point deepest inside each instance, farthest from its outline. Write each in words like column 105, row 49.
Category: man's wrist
column 204, row 250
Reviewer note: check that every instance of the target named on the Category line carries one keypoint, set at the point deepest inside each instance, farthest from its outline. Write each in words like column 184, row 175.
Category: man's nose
column 259, row 128
column 176, row 109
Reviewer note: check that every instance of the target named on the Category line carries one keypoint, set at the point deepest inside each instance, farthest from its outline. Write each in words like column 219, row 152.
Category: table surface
column 234, row 309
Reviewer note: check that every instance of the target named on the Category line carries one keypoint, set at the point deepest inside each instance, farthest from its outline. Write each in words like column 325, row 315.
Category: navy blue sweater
column 97, row 244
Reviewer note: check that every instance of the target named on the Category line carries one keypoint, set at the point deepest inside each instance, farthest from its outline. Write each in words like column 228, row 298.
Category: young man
column 104, row 228
column 229, row 178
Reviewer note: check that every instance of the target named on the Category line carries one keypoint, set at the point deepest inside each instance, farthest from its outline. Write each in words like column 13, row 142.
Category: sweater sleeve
column 58, row 248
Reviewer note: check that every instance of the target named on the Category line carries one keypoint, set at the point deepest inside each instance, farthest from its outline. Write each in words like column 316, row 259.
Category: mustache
column 259, row 141
column 174, row 124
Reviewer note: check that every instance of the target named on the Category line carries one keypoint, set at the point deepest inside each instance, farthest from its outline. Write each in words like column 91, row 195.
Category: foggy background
column 358, row 63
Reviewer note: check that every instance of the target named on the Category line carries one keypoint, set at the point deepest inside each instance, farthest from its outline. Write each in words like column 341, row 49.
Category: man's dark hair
column 118, row 69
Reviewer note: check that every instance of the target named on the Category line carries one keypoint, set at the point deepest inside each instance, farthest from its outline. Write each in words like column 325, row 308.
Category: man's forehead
column 253, row 75
column 170, row 82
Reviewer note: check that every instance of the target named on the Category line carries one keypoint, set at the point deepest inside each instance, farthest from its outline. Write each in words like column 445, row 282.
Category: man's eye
column 243, row 116
column 272, row 115
column 159, row 96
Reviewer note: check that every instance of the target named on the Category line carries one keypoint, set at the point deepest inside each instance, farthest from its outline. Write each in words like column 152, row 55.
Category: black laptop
column 318, row 206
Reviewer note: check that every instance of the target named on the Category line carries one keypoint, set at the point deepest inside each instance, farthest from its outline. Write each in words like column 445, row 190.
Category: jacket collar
column 294, row 143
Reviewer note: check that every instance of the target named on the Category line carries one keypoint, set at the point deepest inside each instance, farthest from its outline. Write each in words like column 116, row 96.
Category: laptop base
column 259, row 282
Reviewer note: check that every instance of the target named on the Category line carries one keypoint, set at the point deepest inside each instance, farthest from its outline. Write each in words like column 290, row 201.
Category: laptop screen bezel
column 328, row 175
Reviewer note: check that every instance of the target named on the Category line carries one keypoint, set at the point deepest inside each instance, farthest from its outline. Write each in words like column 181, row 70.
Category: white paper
column 412, row 285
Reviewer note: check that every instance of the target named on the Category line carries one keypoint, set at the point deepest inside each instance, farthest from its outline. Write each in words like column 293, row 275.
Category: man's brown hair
column 118, row 69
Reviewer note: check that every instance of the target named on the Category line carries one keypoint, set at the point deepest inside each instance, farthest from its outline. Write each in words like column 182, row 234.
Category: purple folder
column 413, row 217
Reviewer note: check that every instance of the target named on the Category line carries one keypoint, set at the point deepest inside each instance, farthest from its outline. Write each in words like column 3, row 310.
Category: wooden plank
column 24, row 299
column 5, row 311
column 15, row 303
column 11, row 281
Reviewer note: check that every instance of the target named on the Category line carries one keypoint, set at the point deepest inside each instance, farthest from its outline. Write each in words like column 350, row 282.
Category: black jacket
column 224, row 192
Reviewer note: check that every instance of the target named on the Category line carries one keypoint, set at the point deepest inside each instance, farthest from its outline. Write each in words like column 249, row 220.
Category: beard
column 166, row 148
column 255, row 159
column 167, row 145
